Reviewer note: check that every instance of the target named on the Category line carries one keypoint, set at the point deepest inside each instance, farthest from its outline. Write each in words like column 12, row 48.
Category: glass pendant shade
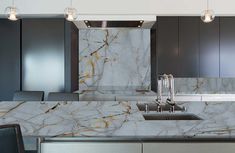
column 70, row 14
column 12, row 13
column 207, row 16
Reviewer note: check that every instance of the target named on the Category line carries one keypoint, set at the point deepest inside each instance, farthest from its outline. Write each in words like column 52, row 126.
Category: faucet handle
column 184, row 109
column 169, row 102
column 159, row 108
column 159, row 105
column 159, row 102
column 172, row 105
column 146, row 108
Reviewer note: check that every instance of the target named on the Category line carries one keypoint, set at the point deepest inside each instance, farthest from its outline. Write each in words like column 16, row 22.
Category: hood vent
column 115, row 21
column 114, row 24
column 92, row 24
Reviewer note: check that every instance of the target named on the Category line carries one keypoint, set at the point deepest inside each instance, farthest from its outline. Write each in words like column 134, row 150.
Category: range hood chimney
column 115, row 21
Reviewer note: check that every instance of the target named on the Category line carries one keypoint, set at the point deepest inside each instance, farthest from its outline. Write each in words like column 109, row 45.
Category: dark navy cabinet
column 43, row 55
column 188, row 47
column 167, row 45
column 209, row 49
column 9, row 58
column 227, row 47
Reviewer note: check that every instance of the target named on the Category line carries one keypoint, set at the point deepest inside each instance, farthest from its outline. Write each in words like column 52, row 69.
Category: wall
column 155, row 7
column 114, row 59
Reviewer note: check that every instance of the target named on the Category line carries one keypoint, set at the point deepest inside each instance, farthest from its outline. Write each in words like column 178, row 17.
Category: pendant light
column 70, row 13
column 207, row 15
column 12, row 12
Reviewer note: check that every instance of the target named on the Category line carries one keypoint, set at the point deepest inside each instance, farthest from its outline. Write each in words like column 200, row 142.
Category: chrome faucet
column 171, row 89
column 166, row 81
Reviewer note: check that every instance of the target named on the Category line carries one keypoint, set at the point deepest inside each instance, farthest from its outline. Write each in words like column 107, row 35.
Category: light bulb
column 12, row 17
column 11, row 13
column 70, row 14
column 207, row 16
column 70, row 17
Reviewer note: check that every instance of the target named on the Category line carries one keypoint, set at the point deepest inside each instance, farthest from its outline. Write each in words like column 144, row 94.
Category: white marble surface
column 147, row 95
column 116, row 95
column 118, row 92
column 114, row 59
column 116, row 119
column 205, row 85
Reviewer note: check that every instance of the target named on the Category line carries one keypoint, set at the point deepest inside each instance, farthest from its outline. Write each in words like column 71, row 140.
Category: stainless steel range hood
column 120, row 21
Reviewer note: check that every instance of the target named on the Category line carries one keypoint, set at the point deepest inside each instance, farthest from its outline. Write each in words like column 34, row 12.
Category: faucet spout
column 166, row 81
column 171, row 89
column 159, row 91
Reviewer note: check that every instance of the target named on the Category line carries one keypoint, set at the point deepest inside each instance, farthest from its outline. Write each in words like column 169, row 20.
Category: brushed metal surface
column 171, row 116
column 188, row 147
column 90, row 147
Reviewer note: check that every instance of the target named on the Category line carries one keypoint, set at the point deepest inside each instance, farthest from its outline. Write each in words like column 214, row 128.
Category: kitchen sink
column 154, row 107
column 173, row 116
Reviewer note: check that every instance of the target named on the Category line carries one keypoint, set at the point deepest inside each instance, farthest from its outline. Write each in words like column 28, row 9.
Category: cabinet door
column 188, row 46
column 9, row 58
column 43, row 54
column 71, row 57
column 167, row 45
column 227, row 46
column 90, row 147
column 188, row 148
column 153, row 34
column 209, row 49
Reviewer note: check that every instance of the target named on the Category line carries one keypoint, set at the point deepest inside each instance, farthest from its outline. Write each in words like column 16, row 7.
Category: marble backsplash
column 114, row 59
column 205, row 85
column 119, row 60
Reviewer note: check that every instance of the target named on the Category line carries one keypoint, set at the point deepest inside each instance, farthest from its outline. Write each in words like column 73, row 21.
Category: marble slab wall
column 205, row 85
column 114, row 59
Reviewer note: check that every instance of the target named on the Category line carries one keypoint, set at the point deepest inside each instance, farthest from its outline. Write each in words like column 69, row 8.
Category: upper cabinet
column 227, row 47
column 209, row 49
column 167, row 45
column 9, row 58
column 178, row 46
column 43, row 54
column 188, row 47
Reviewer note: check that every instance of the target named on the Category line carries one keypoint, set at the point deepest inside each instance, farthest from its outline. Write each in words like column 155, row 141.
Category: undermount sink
column 166, row 114
column 154, row 107
column 172, row 116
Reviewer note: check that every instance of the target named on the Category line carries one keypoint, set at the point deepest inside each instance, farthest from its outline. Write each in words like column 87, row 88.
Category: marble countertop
column 116, row 119
column 118, row 92
column 147, row 95
column 116, row 95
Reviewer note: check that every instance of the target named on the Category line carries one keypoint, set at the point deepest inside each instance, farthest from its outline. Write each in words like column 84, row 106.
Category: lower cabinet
column 188, row 148
column 135, row 147
column 90, row 147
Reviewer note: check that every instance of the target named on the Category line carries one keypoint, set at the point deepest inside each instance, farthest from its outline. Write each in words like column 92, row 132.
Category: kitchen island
column 118, row 119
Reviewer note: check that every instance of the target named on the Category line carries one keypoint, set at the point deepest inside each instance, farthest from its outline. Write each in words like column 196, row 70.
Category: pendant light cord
column 207, row 5
column 13, row 3
column 71, row 3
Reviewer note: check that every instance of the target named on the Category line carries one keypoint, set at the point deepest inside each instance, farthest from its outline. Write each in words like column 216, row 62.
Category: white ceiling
column 122, row 7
